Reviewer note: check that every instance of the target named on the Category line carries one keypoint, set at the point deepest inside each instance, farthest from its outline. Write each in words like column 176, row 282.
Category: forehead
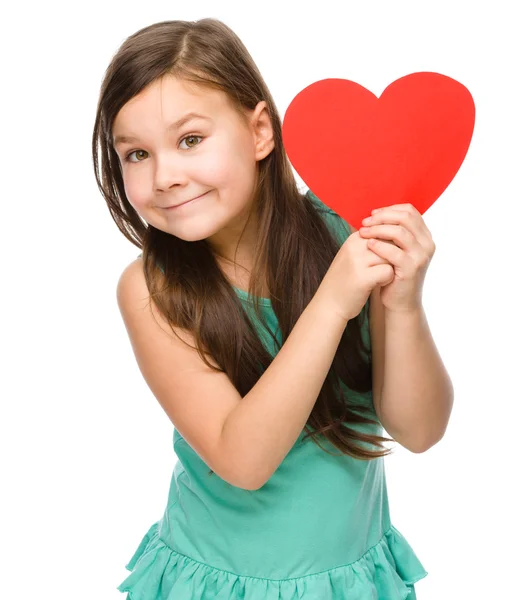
column 168, row 99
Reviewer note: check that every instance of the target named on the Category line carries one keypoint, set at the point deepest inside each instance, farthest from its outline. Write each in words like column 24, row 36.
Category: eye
column 133, row 152
column 187, row 138
column 191, row 137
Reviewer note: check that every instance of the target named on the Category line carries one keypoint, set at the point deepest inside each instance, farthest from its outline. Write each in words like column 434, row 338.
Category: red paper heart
column 357, row 152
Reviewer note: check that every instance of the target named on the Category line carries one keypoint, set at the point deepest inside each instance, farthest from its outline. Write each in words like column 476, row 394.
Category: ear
column 262, row 130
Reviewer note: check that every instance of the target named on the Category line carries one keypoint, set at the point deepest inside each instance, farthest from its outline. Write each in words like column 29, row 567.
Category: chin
column 195, row 234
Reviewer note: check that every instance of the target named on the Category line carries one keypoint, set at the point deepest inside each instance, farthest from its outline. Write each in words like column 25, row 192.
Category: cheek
column 136, row 184
column 225, row 164
column 212, row 169
column 136, row 190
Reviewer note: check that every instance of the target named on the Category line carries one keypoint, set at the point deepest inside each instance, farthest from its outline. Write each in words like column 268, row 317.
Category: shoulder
column 131, row 286
column 147, row 327
column 132, row 290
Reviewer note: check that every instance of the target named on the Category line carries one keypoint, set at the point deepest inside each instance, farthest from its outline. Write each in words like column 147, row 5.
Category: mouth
column 185, row 203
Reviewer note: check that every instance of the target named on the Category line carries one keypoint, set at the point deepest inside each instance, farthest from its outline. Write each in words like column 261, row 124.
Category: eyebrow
column 128, row 139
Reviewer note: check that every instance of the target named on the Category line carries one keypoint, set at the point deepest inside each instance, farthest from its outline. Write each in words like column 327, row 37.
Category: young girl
column 257, row 317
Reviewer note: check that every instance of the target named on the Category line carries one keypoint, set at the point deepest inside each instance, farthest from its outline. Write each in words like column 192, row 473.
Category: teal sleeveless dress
column 319, row 529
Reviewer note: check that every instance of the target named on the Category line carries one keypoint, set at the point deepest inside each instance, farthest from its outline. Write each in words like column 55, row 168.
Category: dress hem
column 389, row 569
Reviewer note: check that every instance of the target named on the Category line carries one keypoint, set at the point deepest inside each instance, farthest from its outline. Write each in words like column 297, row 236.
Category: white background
column 87, row 451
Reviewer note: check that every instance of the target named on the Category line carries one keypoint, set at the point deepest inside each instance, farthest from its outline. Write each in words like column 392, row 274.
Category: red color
column 357, row 152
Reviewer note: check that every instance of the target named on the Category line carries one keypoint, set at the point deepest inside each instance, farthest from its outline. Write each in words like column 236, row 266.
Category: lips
column 186, row 202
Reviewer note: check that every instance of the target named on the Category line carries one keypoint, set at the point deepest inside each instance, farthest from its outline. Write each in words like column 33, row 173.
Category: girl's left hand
column 409, row 248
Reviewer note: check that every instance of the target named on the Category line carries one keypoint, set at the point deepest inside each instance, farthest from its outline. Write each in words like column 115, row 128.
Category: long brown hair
column 294, row 246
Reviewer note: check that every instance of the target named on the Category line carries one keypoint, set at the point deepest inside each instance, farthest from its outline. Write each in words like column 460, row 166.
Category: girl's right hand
column 353, row 274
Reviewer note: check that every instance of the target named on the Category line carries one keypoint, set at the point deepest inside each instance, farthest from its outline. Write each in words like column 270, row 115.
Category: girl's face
column 169, row 157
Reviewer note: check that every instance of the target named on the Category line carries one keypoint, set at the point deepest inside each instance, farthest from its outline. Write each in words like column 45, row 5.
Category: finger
column 419, row 230
column 412, row 222
column 402, row 207
column 392, row 253
column 398, row 234
column 407, row 215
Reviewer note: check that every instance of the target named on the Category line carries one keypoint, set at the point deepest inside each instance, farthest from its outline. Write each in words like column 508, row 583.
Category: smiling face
column 213, row 154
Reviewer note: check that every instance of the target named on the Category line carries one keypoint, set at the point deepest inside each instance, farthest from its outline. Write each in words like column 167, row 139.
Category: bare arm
column 262, row 429
column 417, row 392
column 412, row 391
column 243, row 440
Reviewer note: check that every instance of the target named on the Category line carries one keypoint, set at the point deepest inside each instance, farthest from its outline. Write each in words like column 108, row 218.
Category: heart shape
column 357, row 152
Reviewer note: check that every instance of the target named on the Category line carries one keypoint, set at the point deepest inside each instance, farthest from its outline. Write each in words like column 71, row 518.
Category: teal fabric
column 319, row 529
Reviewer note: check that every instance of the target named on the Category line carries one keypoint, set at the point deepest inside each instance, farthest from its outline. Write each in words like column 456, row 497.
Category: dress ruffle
column 387, row 571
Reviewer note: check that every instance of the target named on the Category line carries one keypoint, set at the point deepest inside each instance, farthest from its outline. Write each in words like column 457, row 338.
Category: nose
column 168, row 172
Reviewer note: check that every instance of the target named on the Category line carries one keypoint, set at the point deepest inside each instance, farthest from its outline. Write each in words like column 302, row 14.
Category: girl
column 263, row 338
